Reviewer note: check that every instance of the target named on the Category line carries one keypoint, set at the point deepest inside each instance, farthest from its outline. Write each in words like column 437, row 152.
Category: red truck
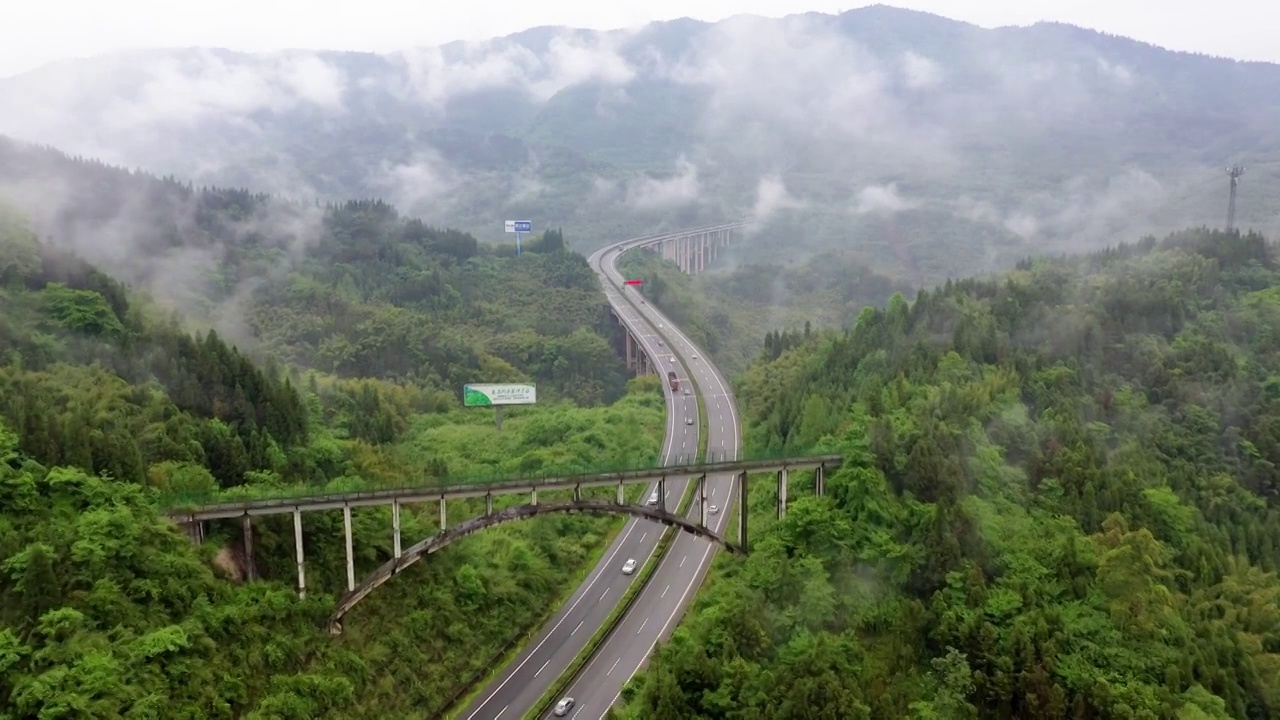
column 673, row 381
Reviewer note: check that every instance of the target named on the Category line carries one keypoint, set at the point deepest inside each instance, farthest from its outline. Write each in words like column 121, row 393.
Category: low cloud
column 919, row 71
column 682, row 188
column 772, row 196
column 434, row 75
column 882, row 200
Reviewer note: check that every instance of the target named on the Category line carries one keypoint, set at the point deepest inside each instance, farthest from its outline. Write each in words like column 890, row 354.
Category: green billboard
column 485, row 395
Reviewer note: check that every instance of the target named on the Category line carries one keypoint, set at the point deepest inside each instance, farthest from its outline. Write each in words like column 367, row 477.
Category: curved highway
column 663, row 601
column 521, row 684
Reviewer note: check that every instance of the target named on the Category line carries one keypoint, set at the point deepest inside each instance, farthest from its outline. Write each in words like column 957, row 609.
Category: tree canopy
column 1058, row 500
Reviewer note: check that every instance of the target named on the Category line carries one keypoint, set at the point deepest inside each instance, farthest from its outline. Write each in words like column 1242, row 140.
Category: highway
column 660, row 605
column 519, row 686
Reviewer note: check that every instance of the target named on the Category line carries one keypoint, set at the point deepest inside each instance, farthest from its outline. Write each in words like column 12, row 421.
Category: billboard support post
column 519, row 227
column 498, row 397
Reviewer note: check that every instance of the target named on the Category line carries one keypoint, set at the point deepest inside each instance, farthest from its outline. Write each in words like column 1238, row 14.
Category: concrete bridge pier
column 621, row 499
column 351, row 561
column 194, row 531
column 820, row 480
column 702, row 500
column 631, row 352
column 297, row 551
column 662, row 493
column 395, row 528
column 743, row 511
column 444, row 516
column 533, row 496
column 246, row 525
column 488, row 504
column 782, row 493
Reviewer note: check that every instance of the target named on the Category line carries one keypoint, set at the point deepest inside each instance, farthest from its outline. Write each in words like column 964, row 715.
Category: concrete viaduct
column 691, row 251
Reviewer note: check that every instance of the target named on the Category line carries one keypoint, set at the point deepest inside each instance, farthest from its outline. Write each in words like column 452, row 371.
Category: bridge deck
column 359, row 498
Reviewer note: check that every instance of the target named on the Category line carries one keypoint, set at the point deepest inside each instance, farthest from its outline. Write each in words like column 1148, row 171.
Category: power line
column 1234, row 172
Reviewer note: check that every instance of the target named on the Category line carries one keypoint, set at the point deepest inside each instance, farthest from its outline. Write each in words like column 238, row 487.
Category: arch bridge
column 193, row 516
column 520, row 512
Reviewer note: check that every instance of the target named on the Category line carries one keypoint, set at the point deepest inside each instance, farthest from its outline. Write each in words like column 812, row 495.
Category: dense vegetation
column 107, row 610
column 353, row 289
column 723, row 310
column 1058, row 500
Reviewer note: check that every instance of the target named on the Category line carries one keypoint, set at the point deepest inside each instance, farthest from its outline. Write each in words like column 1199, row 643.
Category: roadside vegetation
column 1058, row 500
column 111, row 402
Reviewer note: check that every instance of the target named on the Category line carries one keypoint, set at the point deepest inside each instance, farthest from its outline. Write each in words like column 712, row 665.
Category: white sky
column 33, row 32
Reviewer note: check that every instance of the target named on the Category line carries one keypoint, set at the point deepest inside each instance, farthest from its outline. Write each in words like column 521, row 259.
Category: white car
column 687, row 391
column 672, row 358
column 688, row 421
column 695, row 356
column 653, row 498
column 713, row 509
column 629, row 566
column 563, row 707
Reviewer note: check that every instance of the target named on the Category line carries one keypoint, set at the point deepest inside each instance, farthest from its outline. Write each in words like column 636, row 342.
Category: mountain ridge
column 1048, row 136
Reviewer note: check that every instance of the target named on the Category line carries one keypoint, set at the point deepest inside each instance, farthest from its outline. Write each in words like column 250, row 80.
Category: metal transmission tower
column 1234, row 172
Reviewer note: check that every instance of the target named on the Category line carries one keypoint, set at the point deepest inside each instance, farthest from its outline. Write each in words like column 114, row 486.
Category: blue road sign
column 523, row 226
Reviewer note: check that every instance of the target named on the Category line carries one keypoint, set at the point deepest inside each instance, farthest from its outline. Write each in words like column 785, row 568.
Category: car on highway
column 672, row 358
column 629, row 566
column 695, row 356
column 688, row 421
column 713, row 509
column 687, row 391
column 660, row 343
column 563, row 707
column 653, row 498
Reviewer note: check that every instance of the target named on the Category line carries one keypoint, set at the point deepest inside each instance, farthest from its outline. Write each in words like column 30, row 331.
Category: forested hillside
column 111, row 402
column 724, row 309
column 932, row 147
column 1058, row 500
column 352, row 288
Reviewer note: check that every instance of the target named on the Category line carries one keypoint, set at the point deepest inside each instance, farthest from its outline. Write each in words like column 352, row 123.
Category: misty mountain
column 921, row 145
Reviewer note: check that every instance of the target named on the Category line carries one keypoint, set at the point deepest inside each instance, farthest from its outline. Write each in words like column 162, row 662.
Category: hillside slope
column 931, row 147
column 1058, row 500
column 111, row 405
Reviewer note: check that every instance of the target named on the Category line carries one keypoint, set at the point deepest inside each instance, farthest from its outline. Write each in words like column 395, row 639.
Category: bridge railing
column 171, row 501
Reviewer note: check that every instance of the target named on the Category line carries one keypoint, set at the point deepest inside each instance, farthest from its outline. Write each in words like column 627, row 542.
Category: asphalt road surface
column 660, row 605
column 564, row 636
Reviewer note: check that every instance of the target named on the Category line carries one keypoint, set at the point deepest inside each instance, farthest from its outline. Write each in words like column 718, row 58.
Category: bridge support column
column 488, row 504
column 662, row 493
column 194, row 531
column 622, row 496
column 533, row 496
column 782, row 493
column 395, row 528
column 444, row 517
column 742, row 511
column 820, row 481
column 577, row 493
column 702, row 499
column 297, row 551
column 351, row 561
column 247, row 525
column 631, row 356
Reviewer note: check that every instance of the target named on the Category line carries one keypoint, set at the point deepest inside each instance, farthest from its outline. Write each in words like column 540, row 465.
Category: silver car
column 629, row 566
column 563, row 707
